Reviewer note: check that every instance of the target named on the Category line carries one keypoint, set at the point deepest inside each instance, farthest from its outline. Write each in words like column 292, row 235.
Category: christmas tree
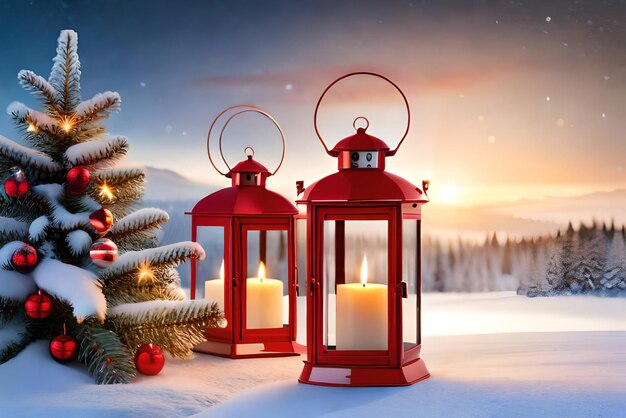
column 65, row 214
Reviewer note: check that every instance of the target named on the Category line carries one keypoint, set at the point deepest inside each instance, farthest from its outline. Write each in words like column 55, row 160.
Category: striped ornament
column 103, row 253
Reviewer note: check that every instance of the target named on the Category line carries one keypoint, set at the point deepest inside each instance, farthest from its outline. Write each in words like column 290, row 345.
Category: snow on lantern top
column 248, row 194
column 361, row 164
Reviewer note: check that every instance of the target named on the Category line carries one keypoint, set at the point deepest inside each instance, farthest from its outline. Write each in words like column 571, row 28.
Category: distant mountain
column 163, row 184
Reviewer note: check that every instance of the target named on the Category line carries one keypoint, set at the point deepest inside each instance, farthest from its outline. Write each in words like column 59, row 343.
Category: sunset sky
column 509, row 99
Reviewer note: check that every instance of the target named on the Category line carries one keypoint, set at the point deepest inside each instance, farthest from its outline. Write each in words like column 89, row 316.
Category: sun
column 449, row 194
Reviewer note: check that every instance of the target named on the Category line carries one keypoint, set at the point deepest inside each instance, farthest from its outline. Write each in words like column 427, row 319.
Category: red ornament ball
column 77, row 180
column 16, row 185
column 64, row 348
column 38, row 306
column 24, row 259
column 103, row 253
column 101, row 220
column 149, row 359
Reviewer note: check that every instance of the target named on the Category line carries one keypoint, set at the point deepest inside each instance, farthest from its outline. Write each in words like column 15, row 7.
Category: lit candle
column 361, row 314
column 264, row 304
column 214, row 289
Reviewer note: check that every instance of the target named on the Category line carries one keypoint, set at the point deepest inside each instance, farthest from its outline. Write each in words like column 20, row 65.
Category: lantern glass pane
column 301, row 268
column 209, row 272
column 267, row 279
column 356, row 285
column 410, row 276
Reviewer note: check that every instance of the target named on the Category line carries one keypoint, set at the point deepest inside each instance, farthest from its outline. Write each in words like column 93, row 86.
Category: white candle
column 214, row 289
column 361, row 315
column 264, row 301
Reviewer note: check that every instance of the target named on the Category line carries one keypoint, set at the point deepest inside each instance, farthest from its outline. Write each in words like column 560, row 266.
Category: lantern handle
column 261, row 112
column 406, row 102
column 250, row 108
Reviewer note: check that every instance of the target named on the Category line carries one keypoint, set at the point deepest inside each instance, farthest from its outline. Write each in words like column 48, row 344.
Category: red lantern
column 16, row 185
column 38, row 306
column 101, row 220
column 24, row 259
column 247, row 232
column 103, row 253
column 149, row 359
column 64, row 348
column 363, row 263
column 77, row 180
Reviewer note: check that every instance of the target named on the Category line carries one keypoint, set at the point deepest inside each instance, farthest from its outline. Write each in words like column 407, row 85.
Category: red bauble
column 103, row 253
column 149, row 359
column 101, row 220
column 16, row 185
column 77, row 180
column 64, row 348
column 38, row 306
column 24, row 259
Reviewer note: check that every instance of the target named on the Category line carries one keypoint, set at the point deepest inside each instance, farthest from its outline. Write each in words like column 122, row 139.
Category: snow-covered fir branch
column 19, row 110
column 141, row 220
column 65, row 74
column 27, row 157
column 13, row 227
column 60, row 216
column 38, row 86
column 37, row 229
column 94, row 152
column 99, row 106
column 78, row 242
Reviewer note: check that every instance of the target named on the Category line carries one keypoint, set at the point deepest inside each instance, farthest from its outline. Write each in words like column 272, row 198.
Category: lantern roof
column 363, row 185
column 248, row 165
column 360, row 141
column 237, row 200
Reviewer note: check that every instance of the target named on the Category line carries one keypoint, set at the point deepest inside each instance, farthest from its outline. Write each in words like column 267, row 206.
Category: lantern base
column 251, row 350
column 364, row 375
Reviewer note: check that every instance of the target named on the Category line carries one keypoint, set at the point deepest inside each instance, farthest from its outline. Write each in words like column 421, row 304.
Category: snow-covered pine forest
column 589, row 258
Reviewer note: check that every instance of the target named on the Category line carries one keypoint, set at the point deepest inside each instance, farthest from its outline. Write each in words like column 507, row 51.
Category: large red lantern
column 363, row 261
column 247, row 232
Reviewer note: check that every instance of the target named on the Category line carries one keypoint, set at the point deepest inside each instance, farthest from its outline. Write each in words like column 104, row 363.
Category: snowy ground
column 492, row 354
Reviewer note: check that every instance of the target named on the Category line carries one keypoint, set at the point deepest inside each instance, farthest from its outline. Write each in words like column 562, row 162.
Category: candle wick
column 363, row 284
column 261, row 279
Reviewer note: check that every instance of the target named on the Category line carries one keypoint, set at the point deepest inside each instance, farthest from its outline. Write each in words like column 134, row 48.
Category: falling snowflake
column 480, row 118
column 491, row 139
column 168, row 129
column 547, row 98
column 548, row 18
column 604, row 115
column 560, row 122
column 142, row 84
column 606, row 77
column 288, row 87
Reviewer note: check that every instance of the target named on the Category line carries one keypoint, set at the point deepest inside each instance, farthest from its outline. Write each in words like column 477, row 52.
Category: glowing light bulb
column 67, row 126
column 31, row 128
column 364, row 271
column 145, row 273
column 261, row 270
column 106, row 192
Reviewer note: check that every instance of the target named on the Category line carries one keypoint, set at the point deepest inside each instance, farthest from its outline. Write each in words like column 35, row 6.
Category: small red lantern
column 38, row 306
column 247, row 232
column 363, row 262
column 149, row 359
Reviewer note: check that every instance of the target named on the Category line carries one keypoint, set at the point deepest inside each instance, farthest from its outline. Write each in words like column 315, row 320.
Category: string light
column 106, row 192
column 67, row 124
column 145, row 273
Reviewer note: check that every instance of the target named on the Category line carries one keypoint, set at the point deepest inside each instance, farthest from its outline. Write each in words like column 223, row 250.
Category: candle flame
column 106, row 192
column 261, row 270
column 222, row 270
column 364, row 270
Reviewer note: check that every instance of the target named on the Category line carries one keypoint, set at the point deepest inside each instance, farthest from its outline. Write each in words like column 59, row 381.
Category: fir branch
column 9, row 309
column 171, row 255
column 12, row 230
column 102, row 152
column 138, row 224
column 65, row 74
column 175, row 326
column 107, row 359
column 162, row 283
column 16, row 154
column 98, row 107
column 25, row 209
column 113, row 186
column 14, row 347
column 40, row 87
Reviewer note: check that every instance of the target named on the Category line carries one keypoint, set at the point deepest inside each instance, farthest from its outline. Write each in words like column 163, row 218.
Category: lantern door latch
column 404, row 289
column 312, row 284
column 234, row 282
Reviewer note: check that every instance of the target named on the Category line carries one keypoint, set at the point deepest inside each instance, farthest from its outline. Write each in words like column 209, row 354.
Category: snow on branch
column 173, row 254
column 37, row 228
column 6, row 252
column 93, row 152
column 65, row 75
column 27, row 157
column 138, row 221
column 24, row 114
column 99, row 106
column 16, row 285
column 38, row 86
column 13, row 228
column 60, row 216
column 77, row 286
column 78, row 241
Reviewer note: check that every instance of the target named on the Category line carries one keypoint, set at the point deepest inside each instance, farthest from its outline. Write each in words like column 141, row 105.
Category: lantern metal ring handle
column 406, row 102
column 246, row 108
column 367, row 122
